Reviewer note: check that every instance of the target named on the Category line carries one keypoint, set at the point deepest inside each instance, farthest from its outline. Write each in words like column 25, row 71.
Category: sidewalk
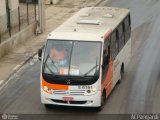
column 55, row 15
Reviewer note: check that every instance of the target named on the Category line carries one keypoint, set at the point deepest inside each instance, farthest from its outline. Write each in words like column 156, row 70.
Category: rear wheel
column 121, row 74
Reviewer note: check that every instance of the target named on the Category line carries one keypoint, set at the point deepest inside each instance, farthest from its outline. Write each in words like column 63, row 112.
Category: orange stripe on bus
column 109, row 89
column 107, row 34
column 54, row 86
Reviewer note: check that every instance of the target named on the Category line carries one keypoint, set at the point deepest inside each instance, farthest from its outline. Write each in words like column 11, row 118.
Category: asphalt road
column 137, row 93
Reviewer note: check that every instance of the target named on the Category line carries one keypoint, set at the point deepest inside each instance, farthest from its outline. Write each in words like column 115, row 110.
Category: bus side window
column 120, row 33
column 127, row 28
column 114, row 45
column 106, row 53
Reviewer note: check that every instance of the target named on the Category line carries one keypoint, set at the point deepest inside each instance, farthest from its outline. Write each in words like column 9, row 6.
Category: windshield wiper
column 91, row 69
column 50, row 70
column 45, row 65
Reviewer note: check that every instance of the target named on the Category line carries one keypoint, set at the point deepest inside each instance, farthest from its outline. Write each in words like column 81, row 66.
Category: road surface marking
column 1, row 81
column 16, row 67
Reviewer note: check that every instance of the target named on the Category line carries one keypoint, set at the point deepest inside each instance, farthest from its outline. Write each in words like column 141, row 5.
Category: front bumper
column 78, row 100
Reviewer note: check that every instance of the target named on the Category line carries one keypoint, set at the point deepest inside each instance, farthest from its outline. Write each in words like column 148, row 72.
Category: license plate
column 67, row 98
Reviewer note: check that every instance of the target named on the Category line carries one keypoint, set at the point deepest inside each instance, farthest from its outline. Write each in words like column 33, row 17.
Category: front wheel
column 48, row 106
column 103, row 99
column 121, row 75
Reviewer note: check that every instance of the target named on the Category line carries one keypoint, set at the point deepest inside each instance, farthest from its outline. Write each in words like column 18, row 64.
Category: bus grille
column 70, row 92
column 70, row 102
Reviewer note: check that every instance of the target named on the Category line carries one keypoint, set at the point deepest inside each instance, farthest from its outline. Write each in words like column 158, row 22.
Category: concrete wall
column 52, row 1
column 3, row 17
column 13, row 5
column 55, row 1
column 20, row 37
column 2, row 7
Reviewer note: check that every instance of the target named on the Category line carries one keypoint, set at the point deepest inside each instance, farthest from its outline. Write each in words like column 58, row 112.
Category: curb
column 16, row 69
column 21, row 65
column 97, row 3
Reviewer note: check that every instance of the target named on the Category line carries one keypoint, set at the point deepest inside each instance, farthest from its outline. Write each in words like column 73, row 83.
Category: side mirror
column 40, row 54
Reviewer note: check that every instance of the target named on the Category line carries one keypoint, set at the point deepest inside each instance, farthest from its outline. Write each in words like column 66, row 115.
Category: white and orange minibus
column 85, row 57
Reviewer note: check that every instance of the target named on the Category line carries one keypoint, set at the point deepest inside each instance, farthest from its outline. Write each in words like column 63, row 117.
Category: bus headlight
column 45, row 88
column 48, row 90
column 93, row 89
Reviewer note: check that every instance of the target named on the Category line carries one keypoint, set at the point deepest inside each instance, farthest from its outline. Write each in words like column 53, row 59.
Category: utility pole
column 41, row 15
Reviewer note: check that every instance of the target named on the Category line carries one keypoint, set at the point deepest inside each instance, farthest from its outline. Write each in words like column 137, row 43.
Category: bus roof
column 90, row 23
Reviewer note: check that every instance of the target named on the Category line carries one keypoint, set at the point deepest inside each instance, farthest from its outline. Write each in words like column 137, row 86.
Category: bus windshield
column 72, row 58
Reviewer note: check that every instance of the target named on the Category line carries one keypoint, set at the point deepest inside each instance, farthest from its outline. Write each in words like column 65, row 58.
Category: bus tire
column 121, row 74
column 103, row 99
column 48, row 106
